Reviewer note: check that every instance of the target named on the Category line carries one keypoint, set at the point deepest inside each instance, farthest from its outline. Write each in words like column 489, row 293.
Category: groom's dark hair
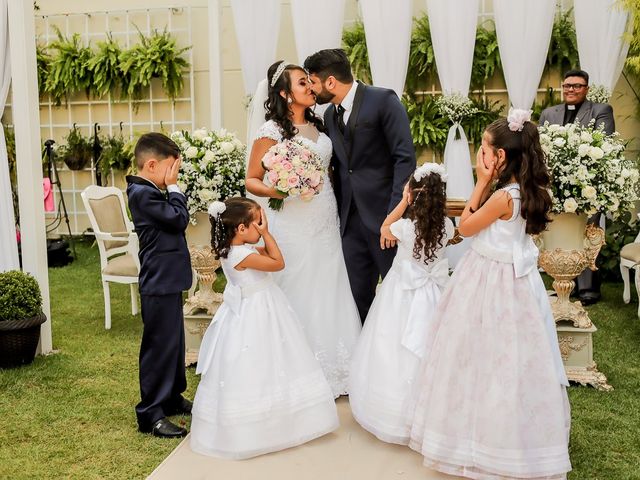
column 330, row 62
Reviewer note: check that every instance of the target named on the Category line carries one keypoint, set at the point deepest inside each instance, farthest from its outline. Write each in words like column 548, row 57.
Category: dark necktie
column 340, row 118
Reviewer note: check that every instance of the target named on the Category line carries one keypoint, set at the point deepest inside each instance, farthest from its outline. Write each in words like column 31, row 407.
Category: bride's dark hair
column 277, row 107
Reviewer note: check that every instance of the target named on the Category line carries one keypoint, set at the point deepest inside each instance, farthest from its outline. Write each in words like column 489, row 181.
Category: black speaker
column 58, row 253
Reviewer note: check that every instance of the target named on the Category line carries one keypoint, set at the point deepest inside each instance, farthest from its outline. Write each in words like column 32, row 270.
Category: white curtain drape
column 317, row 25
column 257, row 24
column 453, row 35
column 602, row 47
column 523, row 28
column 8, row 245
column 387, row 28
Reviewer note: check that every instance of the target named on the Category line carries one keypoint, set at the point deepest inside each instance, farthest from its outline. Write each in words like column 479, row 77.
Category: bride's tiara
column 284, row 64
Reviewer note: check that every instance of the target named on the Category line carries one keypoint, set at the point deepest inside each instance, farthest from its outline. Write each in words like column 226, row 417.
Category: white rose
column 199, row 134
column 209, row 156
column 596, row 153
column 586, row 137
column 182, row 186
column 589, row 192
column 559, row 142
column 227, row 147
column 570, row 205
column 191, row 152
column 207, row 140
column 583, row 150
column 207, row 195
column 626, row 173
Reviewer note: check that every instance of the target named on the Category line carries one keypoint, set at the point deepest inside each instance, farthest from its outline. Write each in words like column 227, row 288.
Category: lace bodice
column 321, row 147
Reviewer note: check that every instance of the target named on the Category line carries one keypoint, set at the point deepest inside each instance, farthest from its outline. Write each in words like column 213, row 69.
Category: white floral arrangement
column 589, row 172
column 455, row 107
column 599, row 94
column 213, row 167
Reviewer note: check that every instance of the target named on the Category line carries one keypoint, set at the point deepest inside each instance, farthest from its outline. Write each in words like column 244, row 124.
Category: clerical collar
column 571, row 107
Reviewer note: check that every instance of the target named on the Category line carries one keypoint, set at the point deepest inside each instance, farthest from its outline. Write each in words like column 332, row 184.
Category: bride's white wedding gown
column 315, row 277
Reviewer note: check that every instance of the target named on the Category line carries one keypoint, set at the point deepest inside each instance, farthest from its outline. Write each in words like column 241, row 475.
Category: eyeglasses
column 573, row 86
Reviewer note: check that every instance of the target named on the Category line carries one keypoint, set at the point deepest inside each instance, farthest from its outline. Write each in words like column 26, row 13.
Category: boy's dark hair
column 330, row 62
column 577, row 73
column 239, row 211
column 154, row 145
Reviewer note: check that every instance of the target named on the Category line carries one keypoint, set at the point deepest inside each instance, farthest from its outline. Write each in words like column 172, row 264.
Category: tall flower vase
column 202, row 301
column 567, row 247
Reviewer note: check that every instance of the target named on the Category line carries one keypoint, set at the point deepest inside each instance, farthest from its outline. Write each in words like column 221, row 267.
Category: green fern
column 43, row 59
column 486, row 56
column 422, row 60
column 563, row 48
column 67, row 73
column 104, row 66
column 428, row 127
column 475, row 125
column 355, row 45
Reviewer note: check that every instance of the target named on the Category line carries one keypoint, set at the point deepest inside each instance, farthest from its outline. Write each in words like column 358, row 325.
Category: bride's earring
column 289, row 100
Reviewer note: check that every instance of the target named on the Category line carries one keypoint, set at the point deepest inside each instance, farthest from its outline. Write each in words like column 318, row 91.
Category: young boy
column 165, row 271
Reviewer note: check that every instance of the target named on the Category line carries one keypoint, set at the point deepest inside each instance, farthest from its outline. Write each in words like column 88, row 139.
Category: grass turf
column 70, row 415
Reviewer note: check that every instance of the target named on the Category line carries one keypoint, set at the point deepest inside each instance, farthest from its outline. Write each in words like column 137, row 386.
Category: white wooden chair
column 117, row 242
column 630, row 259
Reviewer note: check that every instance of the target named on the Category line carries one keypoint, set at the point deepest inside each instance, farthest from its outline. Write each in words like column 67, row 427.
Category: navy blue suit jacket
column 373, row 160
column 160, row 221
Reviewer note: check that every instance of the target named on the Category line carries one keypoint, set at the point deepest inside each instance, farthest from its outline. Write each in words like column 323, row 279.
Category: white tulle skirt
column 262, row 390
column 489, row 403
column 383, row 368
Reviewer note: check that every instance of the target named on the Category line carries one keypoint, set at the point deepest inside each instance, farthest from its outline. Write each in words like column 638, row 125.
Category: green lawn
column 70, row 415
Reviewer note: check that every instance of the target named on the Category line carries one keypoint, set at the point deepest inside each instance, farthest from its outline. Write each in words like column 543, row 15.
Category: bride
column 315, row 277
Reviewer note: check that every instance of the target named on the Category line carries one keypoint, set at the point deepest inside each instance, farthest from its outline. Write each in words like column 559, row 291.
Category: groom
column 373, row 156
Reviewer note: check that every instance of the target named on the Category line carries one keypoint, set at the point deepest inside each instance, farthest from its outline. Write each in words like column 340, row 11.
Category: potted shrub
column 78, row 150
column 20, row 318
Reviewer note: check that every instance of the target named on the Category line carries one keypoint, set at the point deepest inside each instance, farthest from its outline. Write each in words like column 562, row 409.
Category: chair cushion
column 631, row 251
column 123, row 266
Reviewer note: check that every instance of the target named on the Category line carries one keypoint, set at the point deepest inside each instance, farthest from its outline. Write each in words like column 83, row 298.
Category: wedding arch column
column 26, row 121
column 215, row 63
column 317, row 26
column 257, row 24
column 387, row 27
column 602, row 45
column 523, row 28
column 453, row 35
column 8, row 245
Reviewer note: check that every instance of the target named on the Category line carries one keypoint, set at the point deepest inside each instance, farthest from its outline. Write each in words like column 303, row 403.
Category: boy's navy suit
column 165, row 272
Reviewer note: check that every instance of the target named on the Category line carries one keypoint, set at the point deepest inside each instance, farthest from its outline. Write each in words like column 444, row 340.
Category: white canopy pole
column 26, row 121
column 215, row 64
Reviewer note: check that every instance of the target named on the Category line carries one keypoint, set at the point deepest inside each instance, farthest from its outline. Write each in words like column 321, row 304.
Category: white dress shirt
column 347, row 102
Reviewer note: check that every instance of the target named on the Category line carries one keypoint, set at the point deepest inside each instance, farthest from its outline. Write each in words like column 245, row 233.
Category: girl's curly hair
column 239, row 211
column 277, row 107
column 428, row 211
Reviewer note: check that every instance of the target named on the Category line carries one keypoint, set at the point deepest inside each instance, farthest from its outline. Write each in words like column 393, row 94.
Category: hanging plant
column 43, row 59
column 428, row 128
column 104, row 67
column 355, row 46
column 67, row 72
column 114, row 155
column 563, row 48
column 156, row 56
column 422, row 60
column 486, row 55
column 77, row 151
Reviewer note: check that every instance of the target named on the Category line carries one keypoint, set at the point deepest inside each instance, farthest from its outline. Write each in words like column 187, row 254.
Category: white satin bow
column 414, row 277
column 525, row 254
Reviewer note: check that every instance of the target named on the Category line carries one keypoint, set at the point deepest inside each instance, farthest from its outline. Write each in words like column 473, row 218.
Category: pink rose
column 307, row 194
column 314, row 179
column 286, row 164
column 293, row 180
column 273, row 177
column 300, row 171
column 267, row 161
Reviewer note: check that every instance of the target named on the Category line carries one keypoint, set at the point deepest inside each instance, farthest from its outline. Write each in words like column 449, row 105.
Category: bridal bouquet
column 294, row 171
column 212, row 167
column 589, row 172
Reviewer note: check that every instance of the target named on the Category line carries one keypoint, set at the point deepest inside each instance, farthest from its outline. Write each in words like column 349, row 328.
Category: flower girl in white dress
column 390, row 348
column 262, row 389
column 491, row 399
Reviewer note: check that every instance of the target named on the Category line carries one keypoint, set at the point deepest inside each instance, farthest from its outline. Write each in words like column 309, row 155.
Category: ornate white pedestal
column 202, row 302
column 573, row 324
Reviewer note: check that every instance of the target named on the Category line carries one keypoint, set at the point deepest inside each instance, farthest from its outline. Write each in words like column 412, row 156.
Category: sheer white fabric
column 261, row 390
column 315, row 278
column 600, row 29
column 8, row 245
column 317, row 26
column 387, row 28
column 453, row 34
column 524, row 31
column 257, row 24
